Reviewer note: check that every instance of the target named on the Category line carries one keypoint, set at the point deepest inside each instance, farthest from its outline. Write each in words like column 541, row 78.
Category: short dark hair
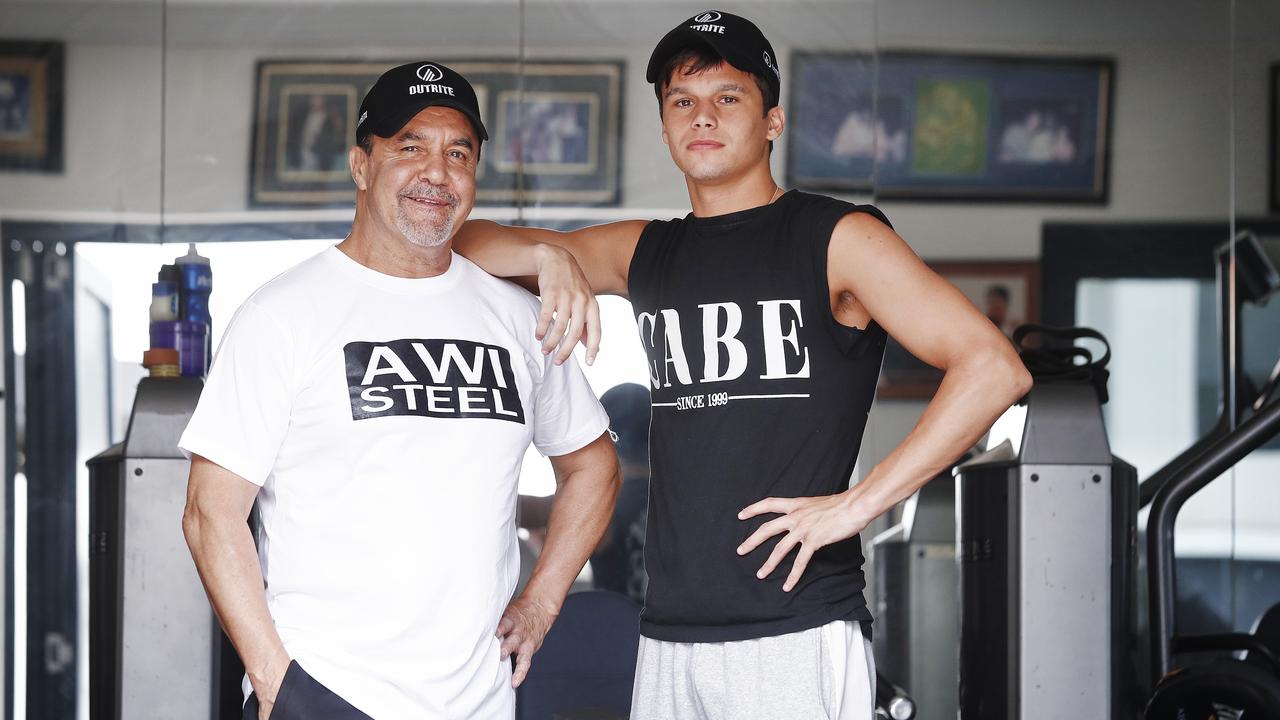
column 999, row 291
column 700, row 58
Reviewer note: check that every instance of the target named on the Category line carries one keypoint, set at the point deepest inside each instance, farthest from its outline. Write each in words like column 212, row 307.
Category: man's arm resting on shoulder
column 937, row 324
column 587, row 484
column 570, row 268
column 214, row 523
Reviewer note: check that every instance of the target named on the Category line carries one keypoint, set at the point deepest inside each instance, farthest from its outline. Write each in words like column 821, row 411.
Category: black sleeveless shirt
column 757, row 392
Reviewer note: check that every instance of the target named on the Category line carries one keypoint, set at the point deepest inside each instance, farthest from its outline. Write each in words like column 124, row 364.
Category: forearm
column 224, row 554
column 973, row 394
column 595, row 258
column 583, row 505
column 500, row 252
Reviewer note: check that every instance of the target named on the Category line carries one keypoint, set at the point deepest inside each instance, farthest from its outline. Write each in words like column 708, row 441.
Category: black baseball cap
column 734, row 38
column 404, row 91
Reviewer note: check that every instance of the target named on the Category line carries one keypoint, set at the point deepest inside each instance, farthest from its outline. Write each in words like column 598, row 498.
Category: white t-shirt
column 386, row 419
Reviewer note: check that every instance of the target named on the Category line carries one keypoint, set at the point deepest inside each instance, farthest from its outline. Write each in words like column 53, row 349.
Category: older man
column 377, row 400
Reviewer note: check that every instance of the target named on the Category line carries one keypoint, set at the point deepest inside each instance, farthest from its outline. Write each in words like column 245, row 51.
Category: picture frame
column 1273, row 126
column 932, row 126
column 1006, row 291
column 554, row 127
column 31, row 105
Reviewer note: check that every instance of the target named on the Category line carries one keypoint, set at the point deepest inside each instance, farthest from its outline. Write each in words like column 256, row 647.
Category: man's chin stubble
column 707, row 174
column 424, row 234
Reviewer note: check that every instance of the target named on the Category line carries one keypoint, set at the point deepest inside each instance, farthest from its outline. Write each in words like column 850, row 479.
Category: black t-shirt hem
column 855, row 610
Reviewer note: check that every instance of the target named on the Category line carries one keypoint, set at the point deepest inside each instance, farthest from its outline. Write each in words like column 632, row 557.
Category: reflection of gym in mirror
column 801, row 274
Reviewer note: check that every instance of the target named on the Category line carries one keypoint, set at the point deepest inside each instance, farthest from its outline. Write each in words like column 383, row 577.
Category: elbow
column 192, row 525
column 1021, row 380
column 1004, row 374
column 609, row 466
column 613, row 486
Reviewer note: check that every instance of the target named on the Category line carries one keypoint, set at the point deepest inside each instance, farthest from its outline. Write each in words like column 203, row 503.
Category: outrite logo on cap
column 429, row 73
column 404, row 90
column 735, row 39
column 768, row 62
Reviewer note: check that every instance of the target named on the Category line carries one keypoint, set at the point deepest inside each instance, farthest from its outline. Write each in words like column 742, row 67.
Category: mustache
column 427, row 192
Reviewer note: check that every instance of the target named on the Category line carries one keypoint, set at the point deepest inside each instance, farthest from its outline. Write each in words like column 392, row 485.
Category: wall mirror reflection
column 162, row 160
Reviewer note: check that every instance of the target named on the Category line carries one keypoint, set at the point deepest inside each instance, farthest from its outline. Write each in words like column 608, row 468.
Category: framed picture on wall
column 931, row 126
column 1274, row 133
column 554, row 129
column 557, row 136
column 31, row 101
column 1007, row 292
column 304, row 121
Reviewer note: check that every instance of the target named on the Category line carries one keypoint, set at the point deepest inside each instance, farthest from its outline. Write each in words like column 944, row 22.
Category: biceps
column 935, row 322
column 214, row 491
column 596, row 457
column 929, row 316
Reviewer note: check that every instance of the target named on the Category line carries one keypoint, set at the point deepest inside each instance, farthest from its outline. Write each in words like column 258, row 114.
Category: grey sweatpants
column 825, row 673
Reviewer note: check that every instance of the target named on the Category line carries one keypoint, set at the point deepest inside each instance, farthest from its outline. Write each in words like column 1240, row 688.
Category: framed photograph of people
column 304, row 121
column 1007, row 292
column 31, row 106
column 556, row 135
column 554, row 130
column 930, row 126
column 547, row 132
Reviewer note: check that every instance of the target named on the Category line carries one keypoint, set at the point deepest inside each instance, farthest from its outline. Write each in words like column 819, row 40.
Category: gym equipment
column 1023, row 547
column 1257, row 278
column 892, row 702
column 1252, row 686
column 1249, row 686
column 156, row 651
column 1046, row 548
column 1267, row 631
column 917, row 584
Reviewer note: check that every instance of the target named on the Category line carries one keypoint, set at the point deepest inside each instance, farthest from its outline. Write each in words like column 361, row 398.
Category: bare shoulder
column 865, row 251
column 864, row 231
column 870, row 262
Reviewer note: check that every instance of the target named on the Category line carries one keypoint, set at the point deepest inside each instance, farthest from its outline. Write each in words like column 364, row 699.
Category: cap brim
column 681, row 38
column 396, row 122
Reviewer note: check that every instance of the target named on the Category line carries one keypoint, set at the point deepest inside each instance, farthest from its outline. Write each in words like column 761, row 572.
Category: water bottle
column 193, row 299
column 195, row 286
column 190, row 340
column 164, row 301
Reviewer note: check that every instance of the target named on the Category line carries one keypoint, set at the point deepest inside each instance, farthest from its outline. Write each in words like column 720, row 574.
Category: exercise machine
column 1246, row 684
column 155, row 649
column 1046, row 548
